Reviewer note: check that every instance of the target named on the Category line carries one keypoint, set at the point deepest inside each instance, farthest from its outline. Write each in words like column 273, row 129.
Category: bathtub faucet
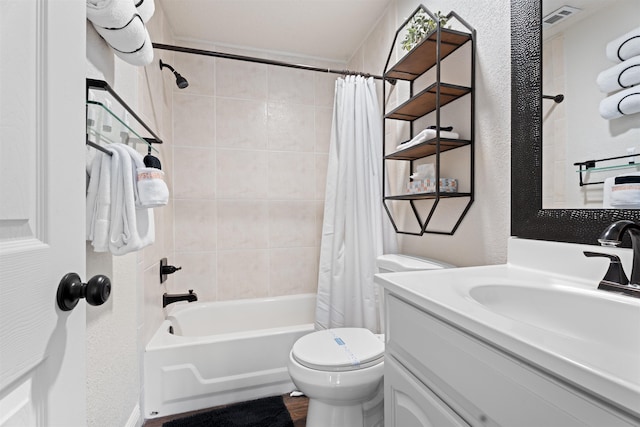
column 171, row 298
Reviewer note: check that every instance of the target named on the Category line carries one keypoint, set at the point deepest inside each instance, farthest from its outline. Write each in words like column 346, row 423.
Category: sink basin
column 573, row 312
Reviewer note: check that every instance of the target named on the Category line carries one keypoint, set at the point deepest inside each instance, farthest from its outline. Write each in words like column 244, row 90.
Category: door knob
column 96, row 291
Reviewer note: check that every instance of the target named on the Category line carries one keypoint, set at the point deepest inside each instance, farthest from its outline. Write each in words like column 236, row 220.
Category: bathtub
column 214, row 353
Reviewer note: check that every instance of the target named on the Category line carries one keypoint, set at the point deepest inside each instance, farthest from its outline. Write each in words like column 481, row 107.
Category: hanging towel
column 99, row 202
column 132, row 228
column 146, row 9
column 624, row 47
column 623, row 103
column 621, row 76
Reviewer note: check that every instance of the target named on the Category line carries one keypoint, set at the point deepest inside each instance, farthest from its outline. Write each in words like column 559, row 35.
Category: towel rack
column 139, row 129
column 590, row 165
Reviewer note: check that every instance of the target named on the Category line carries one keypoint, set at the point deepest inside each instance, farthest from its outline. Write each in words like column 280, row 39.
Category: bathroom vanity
column 528, row 343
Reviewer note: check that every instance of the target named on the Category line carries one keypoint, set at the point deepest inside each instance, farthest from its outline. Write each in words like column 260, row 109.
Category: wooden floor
column 297, row 407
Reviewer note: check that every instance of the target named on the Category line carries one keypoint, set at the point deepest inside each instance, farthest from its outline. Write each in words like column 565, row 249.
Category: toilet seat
column 339, row 350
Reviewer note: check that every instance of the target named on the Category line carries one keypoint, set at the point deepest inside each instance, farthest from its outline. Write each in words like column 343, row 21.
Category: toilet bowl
column 341, row 369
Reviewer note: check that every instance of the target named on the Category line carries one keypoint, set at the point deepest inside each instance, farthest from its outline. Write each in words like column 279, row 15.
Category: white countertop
column 602, row 364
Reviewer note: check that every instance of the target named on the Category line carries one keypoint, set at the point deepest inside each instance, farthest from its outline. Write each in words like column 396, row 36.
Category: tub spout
column 171, row 298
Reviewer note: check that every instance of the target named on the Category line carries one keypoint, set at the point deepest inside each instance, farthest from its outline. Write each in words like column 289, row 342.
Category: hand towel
column 146, row 9
column 621, row 76
column 624, row 47
column 152, row 190
column 132, row 228
column 620, row 104
column 426, row 135
column 99, row 203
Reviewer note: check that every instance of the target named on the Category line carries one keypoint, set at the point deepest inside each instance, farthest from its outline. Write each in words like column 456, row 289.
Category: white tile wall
column 249, row 163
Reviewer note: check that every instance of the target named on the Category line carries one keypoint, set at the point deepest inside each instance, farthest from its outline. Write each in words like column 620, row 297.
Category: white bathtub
column 223, row 352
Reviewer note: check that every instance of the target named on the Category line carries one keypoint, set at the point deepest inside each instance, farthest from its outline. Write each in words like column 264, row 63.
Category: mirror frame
column 528, row 219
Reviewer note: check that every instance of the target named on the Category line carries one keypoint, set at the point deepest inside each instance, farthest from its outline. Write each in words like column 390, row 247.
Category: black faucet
column 615, row 280
column 171, row 298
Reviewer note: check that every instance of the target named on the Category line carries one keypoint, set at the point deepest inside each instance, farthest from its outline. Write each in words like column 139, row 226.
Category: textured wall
column 482, row 235
column 118, row 330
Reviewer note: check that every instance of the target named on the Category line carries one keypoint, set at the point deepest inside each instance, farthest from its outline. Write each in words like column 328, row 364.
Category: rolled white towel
column 152, row 190
column 621, row 76
column 623, row 103
column 110, row 13
column 146, row 9
column 426, row 135
column 624, row 47
column 141, row 57
column 625, row 196
column 128, row 38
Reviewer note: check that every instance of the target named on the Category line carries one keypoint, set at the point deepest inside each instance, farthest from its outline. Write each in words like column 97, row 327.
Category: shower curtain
column 355, row 229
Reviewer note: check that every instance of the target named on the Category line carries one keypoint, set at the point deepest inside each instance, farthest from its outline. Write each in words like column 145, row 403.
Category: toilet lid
column 340, row 349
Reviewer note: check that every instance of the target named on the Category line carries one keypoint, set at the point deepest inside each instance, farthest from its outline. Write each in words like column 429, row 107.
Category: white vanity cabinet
column 436, row 374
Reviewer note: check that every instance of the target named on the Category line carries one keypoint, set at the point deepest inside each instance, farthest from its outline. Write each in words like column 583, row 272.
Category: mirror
column 577, row 64
column 528, row 219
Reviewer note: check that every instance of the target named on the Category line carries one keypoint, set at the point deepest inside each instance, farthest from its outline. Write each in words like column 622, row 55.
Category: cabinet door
column 409, row 403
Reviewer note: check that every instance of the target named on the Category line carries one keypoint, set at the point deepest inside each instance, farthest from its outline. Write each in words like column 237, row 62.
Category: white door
column 42, row 184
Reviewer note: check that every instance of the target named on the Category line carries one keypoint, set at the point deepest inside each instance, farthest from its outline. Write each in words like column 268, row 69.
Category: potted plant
column 419, row 26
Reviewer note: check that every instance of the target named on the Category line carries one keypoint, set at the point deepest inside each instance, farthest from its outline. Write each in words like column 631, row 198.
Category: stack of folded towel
column 121, row 23
column 624, row 77
column 121, row 193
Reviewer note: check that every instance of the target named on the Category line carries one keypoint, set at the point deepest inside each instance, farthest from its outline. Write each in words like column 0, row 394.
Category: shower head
column 181, row 82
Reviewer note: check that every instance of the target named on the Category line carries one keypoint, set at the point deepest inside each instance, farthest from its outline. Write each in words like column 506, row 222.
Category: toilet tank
column 389, row 263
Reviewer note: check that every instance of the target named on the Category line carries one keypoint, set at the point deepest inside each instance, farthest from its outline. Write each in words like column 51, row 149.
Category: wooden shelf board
column 425, row 101
column 426, row 196
column 423, row 56
column 427, row 148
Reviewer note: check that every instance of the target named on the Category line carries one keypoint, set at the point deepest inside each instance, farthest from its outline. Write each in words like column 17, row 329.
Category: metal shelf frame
column 427, row 54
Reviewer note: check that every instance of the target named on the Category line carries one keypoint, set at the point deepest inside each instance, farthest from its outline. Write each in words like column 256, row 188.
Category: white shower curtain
column 355, row 229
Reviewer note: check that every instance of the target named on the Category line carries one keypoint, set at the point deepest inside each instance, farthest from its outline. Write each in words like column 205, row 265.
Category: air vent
column 559, row 15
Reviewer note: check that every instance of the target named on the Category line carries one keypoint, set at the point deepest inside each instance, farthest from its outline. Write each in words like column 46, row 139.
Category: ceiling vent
column 559, row 15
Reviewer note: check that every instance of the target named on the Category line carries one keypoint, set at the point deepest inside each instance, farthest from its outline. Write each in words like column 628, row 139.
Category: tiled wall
column 251, row 145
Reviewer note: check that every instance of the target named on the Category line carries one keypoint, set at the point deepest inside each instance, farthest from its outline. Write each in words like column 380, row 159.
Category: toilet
column 341, row 370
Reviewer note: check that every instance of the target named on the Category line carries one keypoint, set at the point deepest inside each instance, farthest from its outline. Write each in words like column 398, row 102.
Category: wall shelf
column 106, row 125
column 427, row 55
column 590, row 166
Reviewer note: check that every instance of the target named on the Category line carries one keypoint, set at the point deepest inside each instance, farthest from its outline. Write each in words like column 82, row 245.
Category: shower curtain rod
column 259, row 60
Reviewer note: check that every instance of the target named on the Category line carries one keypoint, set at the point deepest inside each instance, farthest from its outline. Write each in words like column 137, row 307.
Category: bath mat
column 267, row 412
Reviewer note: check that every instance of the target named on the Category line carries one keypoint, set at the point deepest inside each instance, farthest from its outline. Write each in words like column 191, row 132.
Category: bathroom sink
column 585, row 315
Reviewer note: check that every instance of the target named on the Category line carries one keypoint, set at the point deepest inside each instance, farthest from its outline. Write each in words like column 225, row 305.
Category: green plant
column 420, row 25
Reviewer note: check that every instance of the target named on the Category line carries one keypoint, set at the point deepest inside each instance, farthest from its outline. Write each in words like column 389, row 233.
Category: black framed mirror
column 528, row 219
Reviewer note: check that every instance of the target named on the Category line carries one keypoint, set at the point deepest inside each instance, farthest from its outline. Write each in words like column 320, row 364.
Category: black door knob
column 71, row 290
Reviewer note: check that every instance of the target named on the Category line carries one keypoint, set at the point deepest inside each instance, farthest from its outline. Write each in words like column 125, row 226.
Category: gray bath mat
column 267, row 412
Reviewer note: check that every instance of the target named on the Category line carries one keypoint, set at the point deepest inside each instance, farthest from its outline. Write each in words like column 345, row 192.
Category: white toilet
column 341, row 369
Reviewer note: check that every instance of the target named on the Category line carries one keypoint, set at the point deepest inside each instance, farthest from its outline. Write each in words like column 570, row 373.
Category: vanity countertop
column 561, row 325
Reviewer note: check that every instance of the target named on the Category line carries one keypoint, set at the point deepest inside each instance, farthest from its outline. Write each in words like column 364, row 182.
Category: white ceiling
column 327, row 29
